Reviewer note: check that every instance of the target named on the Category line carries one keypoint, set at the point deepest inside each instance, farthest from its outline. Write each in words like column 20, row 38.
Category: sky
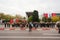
column 20, row 7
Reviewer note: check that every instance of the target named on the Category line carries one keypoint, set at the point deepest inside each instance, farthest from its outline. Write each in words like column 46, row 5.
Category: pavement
column 38, row 34
column 17, row 28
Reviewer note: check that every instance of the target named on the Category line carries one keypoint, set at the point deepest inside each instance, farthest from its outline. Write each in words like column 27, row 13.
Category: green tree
column 59, row 18
column 1, row 15
column 30, row 19
column 55, row 18
column 18, row 16
column 24, row 17
column 44, row 19
column 49, row 20
column 35, row 16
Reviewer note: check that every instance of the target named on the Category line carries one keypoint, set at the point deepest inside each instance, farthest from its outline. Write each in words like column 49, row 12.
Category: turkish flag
column 46, row 15
column 53, row 14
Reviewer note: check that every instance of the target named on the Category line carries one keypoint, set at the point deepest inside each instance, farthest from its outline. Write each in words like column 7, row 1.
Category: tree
column 44, row 19
column 18, row 16
column 1, row 15
column 59, row 18
column 30, row 19
column 24, row 18
column 35, row 16
column 55, row 18
column 48, row 19
column 6, row 17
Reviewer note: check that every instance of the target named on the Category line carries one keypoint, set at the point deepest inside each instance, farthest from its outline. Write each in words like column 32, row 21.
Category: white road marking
column 20, row 32
column 26, row 37
column 50, row 34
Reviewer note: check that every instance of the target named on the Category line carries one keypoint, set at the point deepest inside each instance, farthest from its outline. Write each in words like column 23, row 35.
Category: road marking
column 26, row 37
column 50, row 34
column 20, row 32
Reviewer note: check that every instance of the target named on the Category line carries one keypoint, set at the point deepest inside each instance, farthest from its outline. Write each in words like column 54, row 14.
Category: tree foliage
column 44, row 19
column 55, row 18
column 35, row 16
column 30, row 19
column 7, row 17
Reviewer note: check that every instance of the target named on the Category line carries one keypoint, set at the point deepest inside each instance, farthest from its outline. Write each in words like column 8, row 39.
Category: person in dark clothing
column 58, row 25
column 41, row 25
column 30, row 26
column 13, row 25
column 35, row 24
column 48, row 24
column 52, row 24
column 5, row 23
column 8, row 24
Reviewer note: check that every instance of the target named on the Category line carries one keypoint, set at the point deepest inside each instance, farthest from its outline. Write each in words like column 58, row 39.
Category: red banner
column 46, row 15
column 53, row 14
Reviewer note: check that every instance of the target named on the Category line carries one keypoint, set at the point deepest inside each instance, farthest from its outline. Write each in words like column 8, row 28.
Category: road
column 26, row 35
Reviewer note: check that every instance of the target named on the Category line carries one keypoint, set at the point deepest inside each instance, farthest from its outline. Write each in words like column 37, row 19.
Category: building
column 56, row 14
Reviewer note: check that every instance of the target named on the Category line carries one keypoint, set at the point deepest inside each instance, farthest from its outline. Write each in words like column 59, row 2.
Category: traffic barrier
column 33, row 28
column 43, row 28
column 12, row 28
column 56, row 28
column 23, row 28
column 1, row 28
column 47, row 28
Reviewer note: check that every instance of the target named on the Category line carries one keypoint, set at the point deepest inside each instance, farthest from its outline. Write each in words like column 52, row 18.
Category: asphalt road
column 26, row 35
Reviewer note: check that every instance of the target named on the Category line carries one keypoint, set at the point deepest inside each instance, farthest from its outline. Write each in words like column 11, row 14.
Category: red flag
column 46, row 15
column 53, row 14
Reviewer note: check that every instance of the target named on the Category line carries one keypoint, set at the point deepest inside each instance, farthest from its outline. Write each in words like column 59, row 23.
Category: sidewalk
column 32, row 29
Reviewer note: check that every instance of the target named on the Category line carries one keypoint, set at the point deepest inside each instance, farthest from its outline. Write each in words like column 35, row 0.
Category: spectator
column 5, row 23
column 58, row 25
column 30, row 26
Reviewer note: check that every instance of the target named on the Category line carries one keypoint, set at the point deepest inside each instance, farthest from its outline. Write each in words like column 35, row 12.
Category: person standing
column 58, row 25
column 8, row 24
column 11, row 22
column 5, row 23
column 30, row 26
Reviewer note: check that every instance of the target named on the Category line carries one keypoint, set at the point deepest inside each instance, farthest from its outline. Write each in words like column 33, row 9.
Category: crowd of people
column 30, row 25
column 26, row 24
